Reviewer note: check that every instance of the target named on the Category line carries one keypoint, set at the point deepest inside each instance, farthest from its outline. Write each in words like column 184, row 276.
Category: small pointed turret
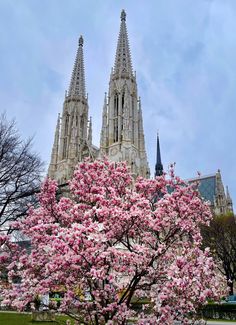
column 77, row 84
column 220, row 196
column 123, row 58
column 158, row 166
column 140, row 123
column 103, row 138
column 142, row 150
column 220, row 191
column 227, row 193
column 104, row 111
column 55, row 148
column 90, row 132
column 229, row 200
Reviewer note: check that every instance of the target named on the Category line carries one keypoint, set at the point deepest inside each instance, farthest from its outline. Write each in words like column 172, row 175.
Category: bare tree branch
column 20, row 174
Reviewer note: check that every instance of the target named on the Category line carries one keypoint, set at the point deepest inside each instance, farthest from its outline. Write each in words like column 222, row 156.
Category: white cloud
column 184, row 53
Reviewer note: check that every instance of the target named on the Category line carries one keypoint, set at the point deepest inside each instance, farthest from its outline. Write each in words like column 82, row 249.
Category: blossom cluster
column 114, row 242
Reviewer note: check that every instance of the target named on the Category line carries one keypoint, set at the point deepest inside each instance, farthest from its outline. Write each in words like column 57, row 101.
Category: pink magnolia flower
column 112, row 243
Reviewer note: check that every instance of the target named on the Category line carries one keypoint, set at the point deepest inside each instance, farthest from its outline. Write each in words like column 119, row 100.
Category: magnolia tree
column 114, row 243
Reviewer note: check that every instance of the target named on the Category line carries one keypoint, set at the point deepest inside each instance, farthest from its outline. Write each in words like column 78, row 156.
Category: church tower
column 122, row 135
column 158, row 166
column 223, row 201
column 73, row 135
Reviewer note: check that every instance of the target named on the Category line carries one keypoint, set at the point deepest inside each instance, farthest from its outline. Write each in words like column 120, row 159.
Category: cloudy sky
column 184, row 53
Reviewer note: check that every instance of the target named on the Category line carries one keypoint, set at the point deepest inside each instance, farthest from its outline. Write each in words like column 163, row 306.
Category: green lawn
column 222, row 320
column 25, row 319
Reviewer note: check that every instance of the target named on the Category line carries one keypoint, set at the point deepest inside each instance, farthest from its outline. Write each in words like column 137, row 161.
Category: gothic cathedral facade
column 122, row 134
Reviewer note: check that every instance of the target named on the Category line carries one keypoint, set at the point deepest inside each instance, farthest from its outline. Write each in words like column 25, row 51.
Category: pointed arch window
column 64, row 152
column 116, row 105
column 116, row 114
column 67, row 124
column 123, row 100
column 82, row 128
column 133, row 119
column 122, row 107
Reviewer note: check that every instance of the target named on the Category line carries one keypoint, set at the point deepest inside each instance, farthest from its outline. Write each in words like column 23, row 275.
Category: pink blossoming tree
column 114, row 242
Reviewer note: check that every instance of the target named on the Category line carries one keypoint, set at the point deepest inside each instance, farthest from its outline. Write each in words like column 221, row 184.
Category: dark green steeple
column 158, row 166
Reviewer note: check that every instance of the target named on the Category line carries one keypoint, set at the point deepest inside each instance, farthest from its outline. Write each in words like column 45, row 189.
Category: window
column 133, row 120
column 82, row 127
column 64, row 148
column 116, row 113
column 122, row 106
column 123, row 101
column 66, row 124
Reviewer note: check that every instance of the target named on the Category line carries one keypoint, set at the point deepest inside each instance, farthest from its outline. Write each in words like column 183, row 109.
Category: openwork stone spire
column 122, row 136
column 73, row 138
column 77, row 84
column 123, row 58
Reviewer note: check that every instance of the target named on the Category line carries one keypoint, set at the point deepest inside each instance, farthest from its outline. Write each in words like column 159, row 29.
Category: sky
column 184, row 54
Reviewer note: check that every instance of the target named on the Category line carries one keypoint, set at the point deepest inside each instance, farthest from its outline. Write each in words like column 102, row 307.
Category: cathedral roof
column 207, row 187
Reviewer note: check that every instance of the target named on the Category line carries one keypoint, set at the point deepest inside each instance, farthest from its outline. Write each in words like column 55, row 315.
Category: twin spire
column 123, row 63
column 77, row 84
column 122, row 135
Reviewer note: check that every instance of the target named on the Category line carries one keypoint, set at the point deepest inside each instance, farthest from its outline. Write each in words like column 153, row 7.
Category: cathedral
column 122, row 134
column 210, row 187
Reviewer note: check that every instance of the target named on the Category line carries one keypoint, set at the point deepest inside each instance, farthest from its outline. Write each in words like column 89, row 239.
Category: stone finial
column 81, row 40
column 123, row 15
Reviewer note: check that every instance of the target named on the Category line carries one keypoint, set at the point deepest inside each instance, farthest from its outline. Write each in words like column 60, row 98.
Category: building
column 211, row 187
column 73, row 135
column 122, row 134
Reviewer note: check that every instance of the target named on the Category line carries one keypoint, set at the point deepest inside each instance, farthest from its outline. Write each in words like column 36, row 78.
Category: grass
column 221, row 320
column 25, row 319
